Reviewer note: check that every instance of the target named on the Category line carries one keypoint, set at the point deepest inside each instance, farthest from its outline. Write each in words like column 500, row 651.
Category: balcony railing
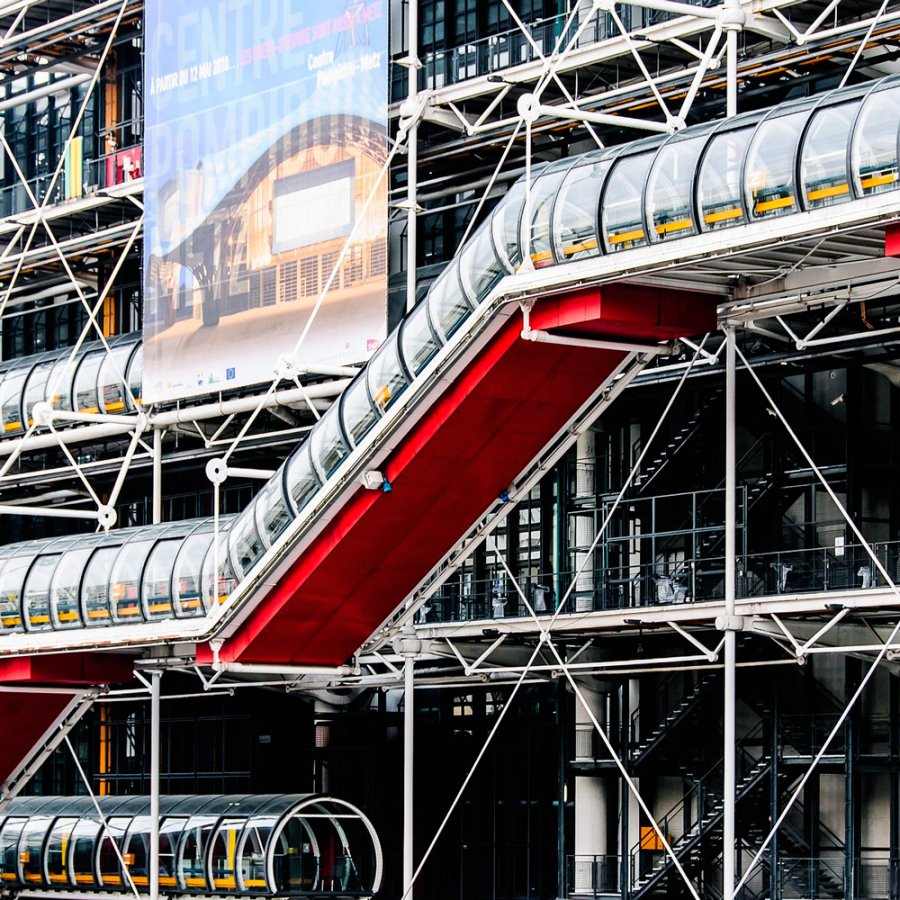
column 819, row 569
column 592, row 876
column 118, row 167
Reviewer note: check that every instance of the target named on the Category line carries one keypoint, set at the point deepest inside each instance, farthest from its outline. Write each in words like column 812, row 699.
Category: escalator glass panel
column 873, row 151
column 387, row 380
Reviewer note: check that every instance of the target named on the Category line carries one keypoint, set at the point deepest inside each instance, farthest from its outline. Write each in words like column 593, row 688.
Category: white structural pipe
column 595, row 118
column 545, row 337
column 157, row 475
column 729, row 777
column 155, row 678
column 412, row 154
column 54, row 87
column 327, row 389
column 11, row 509
column 263, row 669
column 408, row 747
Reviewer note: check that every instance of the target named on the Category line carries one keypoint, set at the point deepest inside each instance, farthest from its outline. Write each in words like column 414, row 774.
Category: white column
column 412, row 158
column 408, row 647
column 585, row 480
column 729, row 777
column 157, row 475
column 155, row 678
column 591, row 796
column 634, row 808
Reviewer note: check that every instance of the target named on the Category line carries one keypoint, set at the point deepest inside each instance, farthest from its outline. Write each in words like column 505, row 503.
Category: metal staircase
column 655, row 736
column 677, row 441
column 694, row 819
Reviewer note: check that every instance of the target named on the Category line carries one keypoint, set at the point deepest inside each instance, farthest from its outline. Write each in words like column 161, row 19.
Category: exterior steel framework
column 676, row 63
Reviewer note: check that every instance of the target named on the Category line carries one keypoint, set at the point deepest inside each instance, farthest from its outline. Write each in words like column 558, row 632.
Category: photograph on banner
column 266, row 133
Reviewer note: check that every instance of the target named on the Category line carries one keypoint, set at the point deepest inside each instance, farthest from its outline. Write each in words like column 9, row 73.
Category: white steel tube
column 595, row 118
column 155, row 678
column 11, row 509
column 157, row 475
column 408, row 725
column 249, row 404
column 412, row 156
column 729, row 780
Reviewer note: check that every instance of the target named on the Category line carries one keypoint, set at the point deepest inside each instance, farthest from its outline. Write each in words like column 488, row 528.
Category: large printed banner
column 266, row 130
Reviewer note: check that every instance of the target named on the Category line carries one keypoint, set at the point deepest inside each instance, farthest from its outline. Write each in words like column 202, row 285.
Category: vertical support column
column 412, row 158
column 732, row 23
column 157, row 475
column 633, row 733
column 408, row 646
column 408, row 746
column 591, row 801
column 729, row 781
column 585, row 522
column 155, row 678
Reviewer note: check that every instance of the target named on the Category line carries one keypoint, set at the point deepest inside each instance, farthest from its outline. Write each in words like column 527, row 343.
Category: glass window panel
column 770, row 166
column 84, row 850
column 543, row 194
column 111, row 380
column 387, row 380
column 505, row 226
column 9, row 849
column 36, row 388
column 873, row 153
column 252, row 853
column 301, row 477
column 59, row 384
column 11, row 401
column 576, row 212
column 58, row 851
column 622, row 211
column 12, row 578
column 670, row 199
column 170, row 830
column 136, row 850
column 95, row 588
column 327, row 442
column 86, row 398
column 823, row 159
column 479, row 266
column 37, row 592
column 191, row 856
column 110, row 867
column 295, row 865
column 447, row 304
column 135, row 371
column 245, row 544
column 719, row 190
column 218, row 588
column 272, row 513
column 416, row 340
column 188, row 571
column 125, row 581
column 223, row 853
column 65, row 608
column 31, row 848
column 156, row 587
column 356, row 409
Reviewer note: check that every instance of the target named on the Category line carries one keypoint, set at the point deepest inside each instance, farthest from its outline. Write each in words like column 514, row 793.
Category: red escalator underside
column 478, row 435
column 35, row 691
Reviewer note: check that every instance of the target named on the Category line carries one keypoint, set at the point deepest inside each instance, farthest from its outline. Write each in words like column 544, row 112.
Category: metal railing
column 106, row 171
column 592, row 876
column 818, row 569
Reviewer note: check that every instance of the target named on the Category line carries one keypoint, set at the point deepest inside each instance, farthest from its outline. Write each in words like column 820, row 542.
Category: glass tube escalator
column 286, row 845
